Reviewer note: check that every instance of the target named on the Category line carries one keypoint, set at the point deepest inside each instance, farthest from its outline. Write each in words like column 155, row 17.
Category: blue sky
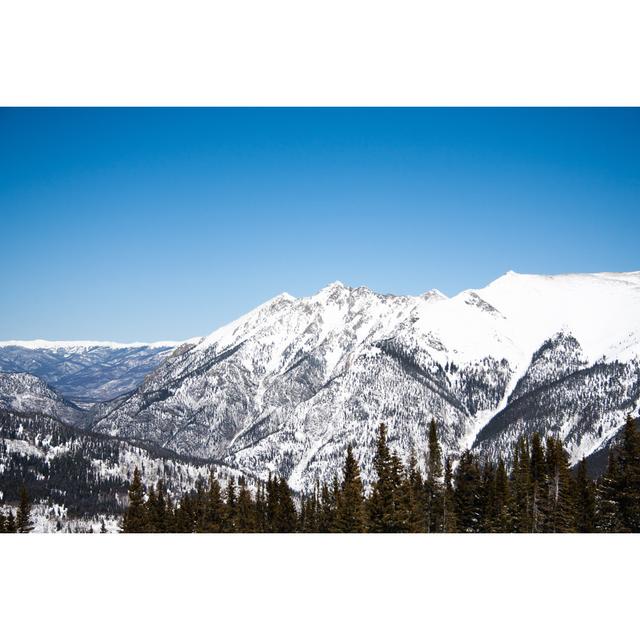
column 151, row 224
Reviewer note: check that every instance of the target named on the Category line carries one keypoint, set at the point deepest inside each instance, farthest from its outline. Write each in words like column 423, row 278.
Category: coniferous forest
column 539, row 493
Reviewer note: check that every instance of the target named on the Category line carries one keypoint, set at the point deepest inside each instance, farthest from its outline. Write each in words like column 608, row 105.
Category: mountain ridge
column 261, row 390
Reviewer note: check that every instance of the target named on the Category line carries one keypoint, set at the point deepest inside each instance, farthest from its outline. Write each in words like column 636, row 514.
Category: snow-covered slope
column 75, row 476
column 25, row 393
column 286, row 387
column 84, row 371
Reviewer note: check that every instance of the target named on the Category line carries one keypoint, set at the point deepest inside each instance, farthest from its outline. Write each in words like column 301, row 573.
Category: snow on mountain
column 84, row 371
column 29, row 394
column 77, row 478
column 287, row 386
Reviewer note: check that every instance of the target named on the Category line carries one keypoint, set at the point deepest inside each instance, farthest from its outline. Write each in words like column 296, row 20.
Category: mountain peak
column 332, row 286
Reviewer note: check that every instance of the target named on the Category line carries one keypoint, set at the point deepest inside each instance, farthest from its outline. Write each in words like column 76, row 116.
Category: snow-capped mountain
column 82, row 371
column 286, row 387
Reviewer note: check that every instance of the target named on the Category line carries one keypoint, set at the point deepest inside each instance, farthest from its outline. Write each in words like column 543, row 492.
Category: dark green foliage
column 467, row 494
column 389, row 509
column 618, row 490
column 585, row 500
column 23, row 515
column 381, row 503
column 449, row 523
column 629, row 481
column 539, row 493
column 350, row 511
column 135, row 518
column 433, row 488
column 10, row 526
column 560, row 517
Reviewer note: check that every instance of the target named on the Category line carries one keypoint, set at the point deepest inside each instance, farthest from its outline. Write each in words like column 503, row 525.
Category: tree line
column 539, row 493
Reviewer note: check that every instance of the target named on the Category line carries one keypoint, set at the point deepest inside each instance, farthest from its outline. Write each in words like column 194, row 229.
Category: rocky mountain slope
column 286, row 387
column 24, row 392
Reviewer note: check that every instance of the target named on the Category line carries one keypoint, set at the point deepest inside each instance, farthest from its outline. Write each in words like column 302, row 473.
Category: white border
column 321, row 52
column 326, row 587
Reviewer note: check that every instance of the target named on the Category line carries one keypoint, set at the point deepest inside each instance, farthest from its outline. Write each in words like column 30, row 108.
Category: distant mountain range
column 83, row 371
column 286, row 387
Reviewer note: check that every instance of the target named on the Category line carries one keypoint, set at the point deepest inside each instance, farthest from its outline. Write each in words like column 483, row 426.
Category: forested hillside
column 538, row 494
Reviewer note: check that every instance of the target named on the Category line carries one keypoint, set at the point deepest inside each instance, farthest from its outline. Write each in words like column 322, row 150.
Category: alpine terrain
column 287, row 387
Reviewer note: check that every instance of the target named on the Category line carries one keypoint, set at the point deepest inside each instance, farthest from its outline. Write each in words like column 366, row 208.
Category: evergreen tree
column 381, row 504
column 260, row 509
column 449, row 524
column 584, row 500
column 230, row 512
column 487, row 497
column 416, row 488
column 271, row 504
column 350, row 511
column 246, row 521
column 214, row 507
column 135, row 517
column 539, row 485
column 467, row 494
column 327, row 510
column 403, row 508
column 501, row 513
column 561, row 515
column 608, row 518
column 433, row 484
column 629, row 480
column 285, row 516
column 10, row 525
column 521, row 488
column 23, row 515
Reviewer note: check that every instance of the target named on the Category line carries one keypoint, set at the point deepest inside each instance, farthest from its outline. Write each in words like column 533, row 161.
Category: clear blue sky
column 150, row 224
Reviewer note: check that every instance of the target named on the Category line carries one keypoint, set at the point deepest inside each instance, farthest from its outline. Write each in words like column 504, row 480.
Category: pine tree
column 584, row 500
column 401, row 521
column 467, row 494
column 629, row 484
column 433, row 483
column 185, row 517
column 214, row 507
column 10, row 525
column 608, row 518
column 150, row 508
column 487, row 497
column 23, row 516
column 135, row 517
column 327, row 510
column 521, row 488
column 230, row 512
column 381, row 504
column 449, row 524
column 416, row 488
column 539, row 485
column 350, row 511
column 246, row 521
column 561, row 513
column 286, row 517
column 260, row 508
column 501, row 520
